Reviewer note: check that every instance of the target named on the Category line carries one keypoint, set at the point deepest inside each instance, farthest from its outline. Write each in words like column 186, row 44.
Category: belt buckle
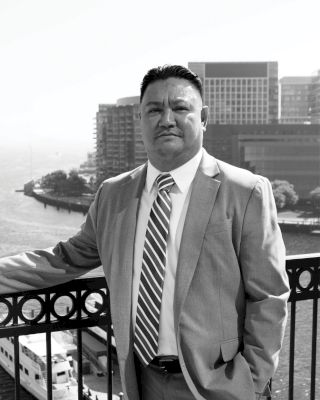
column 163, row 364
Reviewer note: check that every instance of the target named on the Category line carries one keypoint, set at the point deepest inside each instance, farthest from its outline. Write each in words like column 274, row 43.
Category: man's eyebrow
column 160, row 103
column 179, row 101
column 154, row 103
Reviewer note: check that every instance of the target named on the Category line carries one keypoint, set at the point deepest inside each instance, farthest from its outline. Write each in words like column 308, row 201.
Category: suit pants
column 156, row 385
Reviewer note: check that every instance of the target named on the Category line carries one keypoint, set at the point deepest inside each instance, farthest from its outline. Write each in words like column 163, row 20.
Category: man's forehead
column 174, row 88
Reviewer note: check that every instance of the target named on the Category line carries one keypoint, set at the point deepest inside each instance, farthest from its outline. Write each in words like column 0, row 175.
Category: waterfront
column 26, row 224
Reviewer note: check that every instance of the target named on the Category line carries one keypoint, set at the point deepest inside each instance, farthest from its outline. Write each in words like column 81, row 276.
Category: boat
column 33, row 366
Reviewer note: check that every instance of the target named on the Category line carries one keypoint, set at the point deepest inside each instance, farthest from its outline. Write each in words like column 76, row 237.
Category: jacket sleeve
column 64, row 262
column 262, row 259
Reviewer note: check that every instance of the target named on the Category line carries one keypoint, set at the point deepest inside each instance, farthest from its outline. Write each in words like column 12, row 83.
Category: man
column 194, row 259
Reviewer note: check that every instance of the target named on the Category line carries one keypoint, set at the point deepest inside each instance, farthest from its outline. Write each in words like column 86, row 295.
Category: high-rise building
column 119, row 145
column 315, row 99
column 239, row 92
column 300, row 99
column 295, row 99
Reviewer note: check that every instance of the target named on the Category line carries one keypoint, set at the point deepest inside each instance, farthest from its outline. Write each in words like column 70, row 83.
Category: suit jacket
column 231, row 285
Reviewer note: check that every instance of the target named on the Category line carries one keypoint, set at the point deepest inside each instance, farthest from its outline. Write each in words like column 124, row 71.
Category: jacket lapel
column 202, row 199
column 122, row 260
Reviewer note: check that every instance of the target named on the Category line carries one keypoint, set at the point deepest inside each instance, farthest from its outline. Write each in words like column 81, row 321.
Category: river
column 26, row 224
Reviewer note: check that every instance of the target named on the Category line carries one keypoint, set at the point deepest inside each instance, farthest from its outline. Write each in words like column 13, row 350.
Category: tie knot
column 165, row 182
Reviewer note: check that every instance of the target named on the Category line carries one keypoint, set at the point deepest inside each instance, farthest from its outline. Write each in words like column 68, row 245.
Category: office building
column 285, row 152
column 295, row 99
column 119, row 145
column 239, row 92
column 300, row 99
column 315, row 99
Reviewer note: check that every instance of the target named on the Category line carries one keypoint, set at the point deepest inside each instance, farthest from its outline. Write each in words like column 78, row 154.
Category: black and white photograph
column 159, row 200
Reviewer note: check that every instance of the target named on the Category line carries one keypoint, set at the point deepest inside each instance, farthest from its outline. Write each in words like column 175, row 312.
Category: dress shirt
column 180, row 197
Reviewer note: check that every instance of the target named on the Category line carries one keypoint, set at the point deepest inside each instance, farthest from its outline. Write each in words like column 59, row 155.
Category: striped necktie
column 152, row 273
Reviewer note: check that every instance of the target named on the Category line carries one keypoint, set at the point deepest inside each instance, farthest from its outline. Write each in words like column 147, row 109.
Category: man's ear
column 204, row 117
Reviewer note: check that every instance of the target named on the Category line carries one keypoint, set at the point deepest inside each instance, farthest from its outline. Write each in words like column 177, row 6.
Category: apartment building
column 119, row 145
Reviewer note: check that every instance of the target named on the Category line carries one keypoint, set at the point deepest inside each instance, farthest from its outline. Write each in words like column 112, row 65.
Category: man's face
column 172, row 121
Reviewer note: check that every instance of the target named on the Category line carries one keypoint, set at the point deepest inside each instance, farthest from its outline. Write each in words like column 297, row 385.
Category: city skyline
column 63, row 59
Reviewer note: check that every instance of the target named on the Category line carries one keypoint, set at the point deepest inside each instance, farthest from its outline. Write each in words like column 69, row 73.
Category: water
column 26, row 224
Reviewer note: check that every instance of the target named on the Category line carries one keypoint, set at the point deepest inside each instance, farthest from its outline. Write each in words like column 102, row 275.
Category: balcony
column 82, row 304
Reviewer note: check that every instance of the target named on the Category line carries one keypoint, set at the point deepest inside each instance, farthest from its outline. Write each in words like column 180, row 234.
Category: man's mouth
column 168, row 133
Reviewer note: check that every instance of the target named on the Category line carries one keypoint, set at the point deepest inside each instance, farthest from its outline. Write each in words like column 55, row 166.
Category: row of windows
column 243, row 98
column 227, row 107
column 237, row 111
column 228, row 101
column 294, row 98
column 236, row 81
column 25, row 370
column 242, row 90
column 223, row 119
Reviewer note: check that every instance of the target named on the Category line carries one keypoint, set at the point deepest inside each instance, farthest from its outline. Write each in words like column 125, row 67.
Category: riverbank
column 289, row 220
column 70, row 203
column 299, row 221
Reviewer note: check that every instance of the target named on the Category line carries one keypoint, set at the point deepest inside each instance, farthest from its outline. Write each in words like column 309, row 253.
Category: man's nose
column 167, row 118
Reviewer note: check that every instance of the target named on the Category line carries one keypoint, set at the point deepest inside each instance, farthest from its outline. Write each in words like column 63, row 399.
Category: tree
column 63, row 184
column 54, row 180
column 284, row 194
column 315, row 200
column 76, row 185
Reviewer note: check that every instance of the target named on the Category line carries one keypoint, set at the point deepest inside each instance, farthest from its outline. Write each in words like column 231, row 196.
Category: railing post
column 109, row 352
column 79, row 359
column 16, row 367
column 292, row 347
column 49, row 366
column 314, row 348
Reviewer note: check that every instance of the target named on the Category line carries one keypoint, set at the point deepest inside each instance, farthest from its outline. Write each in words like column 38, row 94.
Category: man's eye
column 181, row 108
column 154, row 110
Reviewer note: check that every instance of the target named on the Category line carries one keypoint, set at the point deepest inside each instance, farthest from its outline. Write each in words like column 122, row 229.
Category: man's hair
column 170, row 71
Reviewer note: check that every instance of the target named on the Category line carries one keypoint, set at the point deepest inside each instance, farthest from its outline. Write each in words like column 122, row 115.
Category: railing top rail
column 76, row 304
column 302, row 256
column 303, row 271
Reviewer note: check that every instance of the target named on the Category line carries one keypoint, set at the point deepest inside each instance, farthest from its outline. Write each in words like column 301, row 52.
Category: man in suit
column 207, row 238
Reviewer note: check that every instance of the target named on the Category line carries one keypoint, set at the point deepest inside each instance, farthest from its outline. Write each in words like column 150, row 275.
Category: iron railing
column 76, row 305
column 304, row 275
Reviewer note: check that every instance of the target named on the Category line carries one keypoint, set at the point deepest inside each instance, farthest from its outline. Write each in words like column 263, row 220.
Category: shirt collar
column 183, row 175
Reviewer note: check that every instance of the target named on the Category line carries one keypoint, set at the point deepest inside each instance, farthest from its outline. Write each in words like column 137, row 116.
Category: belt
column 166, row 364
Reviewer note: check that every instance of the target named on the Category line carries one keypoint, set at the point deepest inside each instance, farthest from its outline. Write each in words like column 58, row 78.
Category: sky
column 59, row 59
